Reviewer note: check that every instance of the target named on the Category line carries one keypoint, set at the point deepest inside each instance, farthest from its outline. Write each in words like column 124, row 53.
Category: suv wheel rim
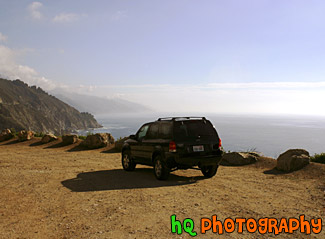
column 126, row 160
column 158, row 168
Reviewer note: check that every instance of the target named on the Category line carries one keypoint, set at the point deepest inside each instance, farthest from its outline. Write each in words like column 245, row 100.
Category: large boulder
column 98, row 140
column 69, row 139
column 24, row 135
column 6, row 134
column 293, row 159
column 238, row 158
column 48, row 138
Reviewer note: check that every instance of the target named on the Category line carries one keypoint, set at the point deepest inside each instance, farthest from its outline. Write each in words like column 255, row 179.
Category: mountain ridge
column 30, row 107
column 99, row 105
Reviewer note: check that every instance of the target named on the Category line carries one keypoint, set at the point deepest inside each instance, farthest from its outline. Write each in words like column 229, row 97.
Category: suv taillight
column 172, row 146
column 219, row 143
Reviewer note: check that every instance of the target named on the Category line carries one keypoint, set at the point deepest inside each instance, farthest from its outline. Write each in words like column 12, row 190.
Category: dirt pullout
column 56, row 191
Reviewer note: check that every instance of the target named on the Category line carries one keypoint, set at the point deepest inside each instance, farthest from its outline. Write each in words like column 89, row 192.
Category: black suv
column 174, row 143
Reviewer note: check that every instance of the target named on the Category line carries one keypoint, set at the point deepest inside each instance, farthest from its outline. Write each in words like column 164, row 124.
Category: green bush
column 13, row 131
column 39, row 134
column 318, row 158
column 82, row 137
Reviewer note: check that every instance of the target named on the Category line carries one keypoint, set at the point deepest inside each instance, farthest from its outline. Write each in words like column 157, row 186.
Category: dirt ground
column 55, row 191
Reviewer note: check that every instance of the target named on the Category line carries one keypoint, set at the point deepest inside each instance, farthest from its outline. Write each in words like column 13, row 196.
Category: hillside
column 24, row 107
column 99, row 105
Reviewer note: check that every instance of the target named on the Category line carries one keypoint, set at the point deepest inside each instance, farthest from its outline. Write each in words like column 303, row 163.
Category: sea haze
column 270, row 135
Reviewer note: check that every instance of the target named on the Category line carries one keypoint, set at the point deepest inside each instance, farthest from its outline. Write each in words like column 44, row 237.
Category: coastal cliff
column 30, row 107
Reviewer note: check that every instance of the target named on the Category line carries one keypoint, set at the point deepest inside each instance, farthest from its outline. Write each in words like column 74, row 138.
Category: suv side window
column 165, row 131
column 153, row 131
column 143, row 131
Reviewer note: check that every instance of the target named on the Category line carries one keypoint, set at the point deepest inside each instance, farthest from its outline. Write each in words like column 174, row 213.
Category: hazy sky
column 262, row 56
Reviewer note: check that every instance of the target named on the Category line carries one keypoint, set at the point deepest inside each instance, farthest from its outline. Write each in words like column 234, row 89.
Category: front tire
column 209, row 171
column 161, row 170
column 127, row 162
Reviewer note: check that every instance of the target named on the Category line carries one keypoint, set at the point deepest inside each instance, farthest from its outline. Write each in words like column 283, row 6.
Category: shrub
column 39, row 134
column 82, row 137
column 318, row 158
column 119, row 143
column 13, row 131
column 251, row 150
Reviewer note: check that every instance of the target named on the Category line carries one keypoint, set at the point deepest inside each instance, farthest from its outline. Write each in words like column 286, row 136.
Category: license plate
column 198, row 148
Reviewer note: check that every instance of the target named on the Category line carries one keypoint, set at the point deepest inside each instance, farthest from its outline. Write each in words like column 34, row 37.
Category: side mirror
column 132, row 136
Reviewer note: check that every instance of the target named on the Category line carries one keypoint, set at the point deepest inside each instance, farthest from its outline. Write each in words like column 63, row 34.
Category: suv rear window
column 193, row 129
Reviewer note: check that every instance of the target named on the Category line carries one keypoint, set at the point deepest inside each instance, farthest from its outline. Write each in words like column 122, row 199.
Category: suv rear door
column 157, row 139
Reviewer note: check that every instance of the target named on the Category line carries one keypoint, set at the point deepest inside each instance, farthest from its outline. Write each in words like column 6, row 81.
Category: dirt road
column 51, row 191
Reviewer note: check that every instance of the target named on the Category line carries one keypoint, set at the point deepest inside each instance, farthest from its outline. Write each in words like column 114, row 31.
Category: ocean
column 270, row 135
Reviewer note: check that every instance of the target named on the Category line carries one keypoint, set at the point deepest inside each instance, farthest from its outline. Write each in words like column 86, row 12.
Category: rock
column 24, row 135
column 98, row 140
column 6, row 135
column 48, row 138
column 237, row 159
column 292, row 160
column 119, row 143
column 69, row 139
column 6, row 131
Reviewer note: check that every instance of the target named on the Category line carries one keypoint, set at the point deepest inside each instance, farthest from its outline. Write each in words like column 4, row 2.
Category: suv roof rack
column 181, row 118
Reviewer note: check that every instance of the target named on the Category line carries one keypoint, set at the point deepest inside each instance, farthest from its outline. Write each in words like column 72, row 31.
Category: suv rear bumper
column 173, row 159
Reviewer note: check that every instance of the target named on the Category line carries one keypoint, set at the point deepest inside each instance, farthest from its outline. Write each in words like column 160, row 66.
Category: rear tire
column 127, row 162
column 161, row 170
column 209, row 171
